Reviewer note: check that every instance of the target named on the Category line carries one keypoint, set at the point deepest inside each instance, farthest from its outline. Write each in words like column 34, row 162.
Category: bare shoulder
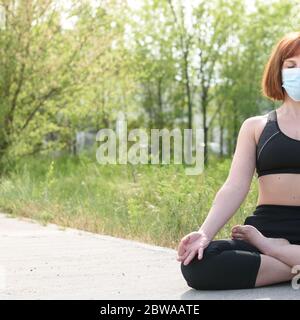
column 255, row 125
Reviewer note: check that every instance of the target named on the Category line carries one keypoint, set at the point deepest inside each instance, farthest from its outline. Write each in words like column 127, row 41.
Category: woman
column 266, row 249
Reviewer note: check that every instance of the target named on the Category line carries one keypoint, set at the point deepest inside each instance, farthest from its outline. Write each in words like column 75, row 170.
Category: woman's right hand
column 192, row 244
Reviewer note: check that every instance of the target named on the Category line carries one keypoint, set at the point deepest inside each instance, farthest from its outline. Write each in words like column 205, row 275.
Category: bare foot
column 253, row 236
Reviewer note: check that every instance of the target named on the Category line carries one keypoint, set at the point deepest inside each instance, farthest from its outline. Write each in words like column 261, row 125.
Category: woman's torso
column 279, row 188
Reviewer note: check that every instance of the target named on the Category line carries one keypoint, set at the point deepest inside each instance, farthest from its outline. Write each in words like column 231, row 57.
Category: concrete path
column 48, row 262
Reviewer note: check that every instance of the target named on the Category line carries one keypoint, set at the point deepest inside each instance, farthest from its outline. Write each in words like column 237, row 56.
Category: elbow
column 241, row 187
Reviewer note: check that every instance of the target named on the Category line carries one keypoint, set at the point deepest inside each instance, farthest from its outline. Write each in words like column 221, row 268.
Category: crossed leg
column 234, row 264
column 271, row 270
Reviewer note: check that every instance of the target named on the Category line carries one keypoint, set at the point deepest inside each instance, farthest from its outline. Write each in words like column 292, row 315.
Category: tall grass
column 156, row 204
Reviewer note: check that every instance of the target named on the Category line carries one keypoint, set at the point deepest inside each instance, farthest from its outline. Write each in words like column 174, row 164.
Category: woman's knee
column 198, row 273
column 229, row 269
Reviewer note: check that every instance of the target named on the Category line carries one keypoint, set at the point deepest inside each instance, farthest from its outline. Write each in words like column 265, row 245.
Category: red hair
column 287, row 47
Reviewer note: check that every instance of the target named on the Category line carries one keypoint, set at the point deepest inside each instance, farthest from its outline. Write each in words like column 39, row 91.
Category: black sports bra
column 276, row 152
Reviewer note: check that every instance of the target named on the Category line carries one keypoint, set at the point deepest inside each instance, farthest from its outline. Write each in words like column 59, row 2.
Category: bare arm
column 236, row 187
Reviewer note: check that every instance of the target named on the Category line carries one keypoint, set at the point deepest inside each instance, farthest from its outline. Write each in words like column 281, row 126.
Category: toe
column 237, row 235
column 239, row 229
column 234, row 229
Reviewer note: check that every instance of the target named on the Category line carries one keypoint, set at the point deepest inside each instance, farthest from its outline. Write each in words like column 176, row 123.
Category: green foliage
column 161, row 63
column 152, row 203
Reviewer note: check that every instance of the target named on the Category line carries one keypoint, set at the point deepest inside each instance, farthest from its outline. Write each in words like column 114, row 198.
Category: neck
column 290, row 107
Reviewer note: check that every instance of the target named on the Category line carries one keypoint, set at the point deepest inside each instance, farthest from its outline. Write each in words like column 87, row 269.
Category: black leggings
column 234, row 264
column 226, row 264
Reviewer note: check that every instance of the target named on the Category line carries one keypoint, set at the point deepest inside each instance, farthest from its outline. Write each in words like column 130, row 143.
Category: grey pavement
column 50, row 262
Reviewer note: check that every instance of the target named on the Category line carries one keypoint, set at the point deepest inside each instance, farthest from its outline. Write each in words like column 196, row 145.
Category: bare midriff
column 279, row 188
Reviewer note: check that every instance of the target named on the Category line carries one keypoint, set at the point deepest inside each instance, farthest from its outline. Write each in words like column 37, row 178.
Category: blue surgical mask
column 291, row 82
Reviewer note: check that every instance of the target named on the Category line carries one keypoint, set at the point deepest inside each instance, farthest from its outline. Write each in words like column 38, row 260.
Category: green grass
column 157, row 204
